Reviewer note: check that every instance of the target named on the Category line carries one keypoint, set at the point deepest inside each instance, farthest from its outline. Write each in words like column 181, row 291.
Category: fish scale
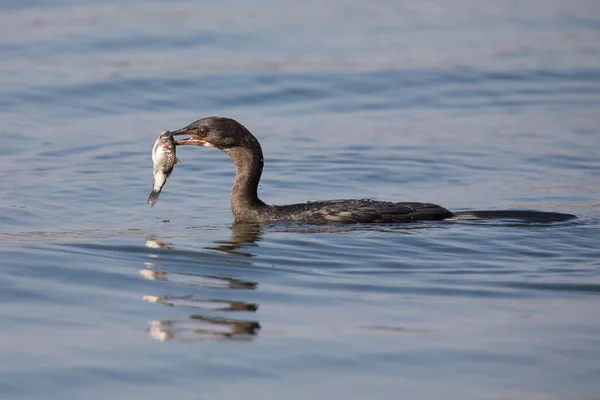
column 163, row 160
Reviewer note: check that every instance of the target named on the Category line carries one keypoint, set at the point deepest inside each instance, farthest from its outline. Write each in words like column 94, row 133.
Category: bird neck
column 244, row 194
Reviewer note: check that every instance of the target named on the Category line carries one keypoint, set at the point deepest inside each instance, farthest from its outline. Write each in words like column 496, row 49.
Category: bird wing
column 367, row 211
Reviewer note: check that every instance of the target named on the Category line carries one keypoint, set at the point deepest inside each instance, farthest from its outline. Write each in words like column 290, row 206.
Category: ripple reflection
column 205, row 304
column 200, row 326
column 207, row 281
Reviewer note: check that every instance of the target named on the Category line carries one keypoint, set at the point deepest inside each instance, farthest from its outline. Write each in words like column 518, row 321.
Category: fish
column 163, row 160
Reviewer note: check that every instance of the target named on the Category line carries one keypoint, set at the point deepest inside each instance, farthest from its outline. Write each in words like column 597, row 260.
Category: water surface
column 467, row 104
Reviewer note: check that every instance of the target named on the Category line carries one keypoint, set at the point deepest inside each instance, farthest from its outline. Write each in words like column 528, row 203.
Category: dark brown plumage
column 234, row 139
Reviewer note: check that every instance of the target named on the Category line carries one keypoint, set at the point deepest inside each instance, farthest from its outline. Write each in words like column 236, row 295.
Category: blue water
column 472, row 105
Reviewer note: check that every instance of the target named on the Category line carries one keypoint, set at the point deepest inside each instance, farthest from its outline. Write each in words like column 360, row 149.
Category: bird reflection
column 242, row 235
column 201, row 326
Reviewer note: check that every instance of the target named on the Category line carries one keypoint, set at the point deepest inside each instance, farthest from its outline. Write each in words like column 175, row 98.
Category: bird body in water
column 234, row 139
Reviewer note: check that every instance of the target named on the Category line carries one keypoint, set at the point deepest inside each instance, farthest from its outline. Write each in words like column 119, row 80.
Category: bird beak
column 192, row 140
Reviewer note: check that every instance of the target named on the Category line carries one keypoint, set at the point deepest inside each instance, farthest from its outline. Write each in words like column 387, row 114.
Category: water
column 468, row 104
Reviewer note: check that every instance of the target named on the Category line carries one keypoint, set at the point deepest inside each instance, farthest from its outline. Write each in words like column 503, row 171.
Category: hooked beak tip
column 192, row 140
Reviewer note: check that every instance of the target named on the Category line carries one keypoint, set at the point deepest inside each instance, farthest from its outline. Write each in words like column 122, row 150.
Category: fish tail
column 153, row 198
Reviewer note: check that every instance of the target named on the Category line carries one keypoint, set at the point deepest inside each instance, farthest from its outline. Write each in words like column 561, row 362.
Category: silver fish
column 163, row 161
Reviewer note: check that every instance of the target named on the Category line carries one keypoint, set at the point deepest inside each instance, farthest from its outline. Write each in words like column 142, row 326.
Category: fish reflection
column 199, row 326
column 157, row 244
